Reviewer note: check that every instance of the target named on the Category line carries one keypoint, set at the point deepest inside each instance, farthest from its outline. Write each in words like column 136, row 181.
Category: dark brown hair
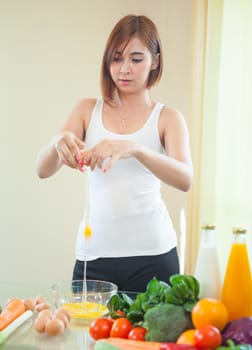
column 128, row 27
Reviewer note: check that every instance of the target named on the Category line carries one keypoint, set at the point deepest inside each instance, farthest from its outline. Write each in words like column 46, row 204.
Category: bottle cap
column 208, row 227
column 239, row 230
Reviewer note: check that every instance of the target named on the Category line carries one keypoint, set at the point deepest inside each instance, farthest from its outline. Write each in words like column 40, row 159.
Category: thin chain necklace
column 125, row 119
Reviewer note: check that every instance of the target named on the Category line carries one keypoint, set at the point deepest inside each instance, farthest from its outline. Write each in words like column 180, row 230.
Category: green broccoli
column 165, row 322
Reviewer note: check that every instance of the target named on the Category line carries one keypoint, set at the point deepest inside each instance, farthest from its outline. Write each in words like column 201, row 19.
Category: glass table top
column 75, row 337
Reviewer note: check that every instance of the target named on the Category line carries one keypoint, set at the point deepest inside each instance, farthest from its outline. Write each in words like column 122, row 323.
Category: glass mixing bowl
column 84, row 300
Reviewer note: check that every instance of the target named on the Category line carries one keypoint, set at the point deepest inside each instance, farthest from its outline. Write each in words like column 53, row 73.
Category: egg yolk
column 85, row 309
column 87, row 231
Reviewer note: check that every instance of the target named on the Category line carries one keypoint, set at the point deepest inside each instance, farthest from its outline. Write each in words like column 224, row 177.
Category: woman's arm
column 66, row 145
column 175, row 167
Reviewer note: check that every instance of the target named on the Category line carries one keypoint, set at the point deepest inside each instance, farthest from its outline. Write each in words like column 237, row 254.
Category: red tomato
column 207, row 337
column 111, row 320
column 100, row 328
column 121, row 328
column 137, row 333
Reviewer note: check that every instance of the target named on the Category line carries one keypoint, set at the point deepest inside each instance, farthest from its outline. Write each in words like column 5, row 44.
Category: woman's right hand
column 68, row 147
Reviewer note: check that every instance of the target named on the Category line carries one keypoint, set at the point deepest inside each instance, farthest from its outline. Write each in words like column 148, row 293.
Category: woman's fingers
column 107, row 152
column 69, row 147
column 109, row 162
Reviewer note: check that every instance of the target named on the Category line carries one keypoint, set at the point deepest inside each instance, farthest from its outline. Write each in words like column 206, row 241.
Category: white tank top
column 127, row 214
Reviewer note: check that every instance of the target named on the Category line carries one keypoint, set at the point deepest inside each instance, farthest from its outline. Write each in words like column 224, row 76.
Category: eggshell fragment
column 54, row 327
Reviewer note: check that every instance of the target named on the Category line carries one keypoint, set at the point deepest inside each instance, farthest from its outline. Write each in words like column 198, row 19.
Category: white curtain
column 226, row 164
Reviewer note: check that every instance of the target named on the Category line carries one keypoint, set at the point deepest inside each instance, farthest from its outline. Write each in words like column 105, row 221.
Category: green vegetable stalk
column 232, row 346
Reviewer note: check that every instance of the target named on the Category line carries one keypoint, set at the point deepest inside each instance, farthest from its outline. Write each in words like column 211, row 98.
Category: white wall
column 50, row 57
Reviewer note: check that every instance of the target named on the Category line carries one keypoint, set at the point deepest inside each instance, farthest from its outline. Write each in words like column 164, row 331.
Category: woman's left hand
column 107, row 152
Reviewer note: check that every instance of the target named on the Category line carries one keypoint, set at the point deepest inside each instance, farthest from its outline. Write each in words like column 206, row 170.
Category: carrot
column 126, row 344
column 12, row 310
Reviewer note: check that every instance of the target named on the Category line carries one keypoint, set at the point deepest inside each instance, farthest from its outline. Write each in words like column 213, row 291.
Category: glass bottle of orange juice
column 236, row 291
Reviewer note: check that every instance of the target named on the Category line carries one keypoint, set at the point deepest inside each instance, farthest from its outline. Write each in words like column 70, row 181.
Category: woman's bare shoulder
column 171, row 114
column 172, row 123
column 84, row 105
column 171, row 118
column 79, row 117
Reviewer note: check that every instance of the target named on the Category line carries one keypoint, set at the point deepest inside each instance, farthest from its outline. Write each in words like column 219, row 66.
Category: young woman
column 134, row 143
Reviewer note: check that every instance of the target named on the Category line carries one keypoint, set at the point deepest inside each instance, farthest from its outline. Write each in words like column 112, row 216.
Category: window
column 223, row 191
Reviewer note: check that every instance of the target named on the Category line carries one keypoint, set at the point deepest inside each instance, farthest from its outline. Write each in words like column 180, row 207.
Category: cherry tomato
column 111, row 320
column 100, row 328
column 137, row 333
column 187, row 337
column 207, row 337
column 121, row 328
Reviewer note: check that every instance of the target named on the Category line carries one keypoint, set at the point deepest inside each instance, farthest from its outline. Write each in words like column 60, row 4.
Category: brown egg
column 29, row 304
column 42, row 306
column 61, row 316
column 45, row 312
column 39, row 299
column 54, row 327
column 65, row 311
column 40, row 323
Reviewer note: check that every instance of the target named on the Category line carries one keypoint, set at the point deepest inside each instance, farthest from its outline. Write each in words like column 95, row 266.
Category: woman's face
column 130, row 66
